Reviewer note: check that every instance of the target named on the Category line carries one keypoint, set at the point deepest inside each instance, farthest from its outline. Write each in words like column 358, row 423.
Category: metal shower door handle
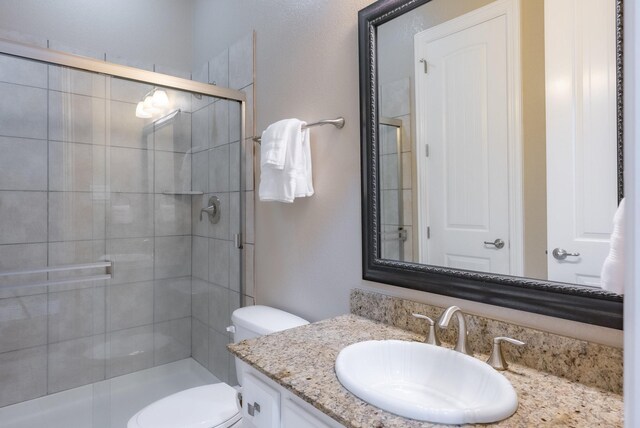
column 498, row 243
column 561, row 254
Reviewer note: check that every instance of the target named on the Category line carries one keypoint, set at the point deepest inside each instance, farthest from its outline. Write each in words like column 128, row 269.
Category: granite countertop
column 302, row 361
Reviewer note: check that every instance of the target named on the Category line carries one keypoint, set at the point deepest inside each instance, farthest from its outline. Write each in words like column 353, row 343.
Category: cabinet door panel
column 261, row 404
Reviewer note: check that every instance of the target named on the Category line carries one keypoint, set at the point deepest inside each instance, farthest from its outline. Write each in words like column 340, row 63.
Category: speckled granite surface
column 576, row 360
column 302, row 360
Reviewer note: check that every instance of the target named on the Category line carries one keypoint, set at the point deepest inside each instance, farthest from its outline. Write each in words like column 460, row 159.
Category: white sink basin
column 425, row 382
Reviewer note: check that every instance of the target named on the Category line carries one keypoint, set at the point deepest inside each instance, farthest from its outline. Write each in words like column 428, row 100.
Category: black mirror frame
column 567, row 301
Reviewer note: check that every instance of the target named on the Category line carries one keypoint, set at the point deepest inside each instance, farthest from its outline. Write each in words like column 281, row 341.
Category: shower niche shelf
column 184, row 192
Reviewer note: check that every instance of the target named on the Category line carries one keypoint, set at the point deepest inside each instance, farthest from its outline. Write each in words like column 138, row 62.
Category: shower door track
column 53, row 57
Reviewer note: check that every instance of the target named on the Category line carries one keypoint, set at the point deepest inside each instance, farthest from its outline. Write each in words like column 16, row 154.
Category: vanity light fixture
column 154, row 102
column 141, row 112
column 160, row 99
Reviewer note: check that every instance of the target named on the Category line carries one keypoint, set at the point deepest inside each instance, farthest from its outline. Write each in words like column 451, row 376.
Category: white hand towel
column 304, row 180
column 275, row 140
column 294, row 178
column 612, row 275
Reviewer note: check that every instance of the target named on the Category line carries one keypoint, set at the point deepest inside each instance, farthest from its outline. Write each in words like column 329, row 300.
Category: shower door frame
column 53, row 57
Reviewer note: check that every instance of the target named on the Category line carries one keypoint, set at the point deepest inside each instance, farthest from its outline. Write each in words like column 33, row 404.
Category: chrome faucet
column 463, row 342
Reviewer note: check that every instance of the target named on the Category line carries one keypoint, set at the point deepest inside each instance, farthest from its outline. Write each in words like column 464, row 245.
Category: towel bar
column 63, row 268
column 338, row 123
column 107, row 265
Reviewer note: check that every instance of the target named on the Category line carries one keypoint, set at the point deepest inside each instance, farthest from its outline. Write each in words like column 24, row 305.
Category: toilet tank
column 258, row 320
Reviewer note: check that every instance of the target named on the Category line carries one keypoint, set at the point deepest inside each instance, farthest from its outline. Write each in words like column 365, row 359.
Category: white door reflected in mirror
column 463, row 121
column 581, row 131
column 505, row 159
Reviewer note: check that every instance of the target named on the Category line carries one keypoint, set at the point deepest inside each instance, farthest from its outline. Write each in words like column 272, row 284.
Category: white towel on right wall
column 285, row 165
column 612, row 276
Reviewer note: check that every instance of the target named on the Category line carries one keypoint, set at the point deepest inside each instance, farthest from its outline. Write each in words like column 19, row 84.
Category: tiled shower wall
column 81, row 181
column 216, row 158
column 395, row 103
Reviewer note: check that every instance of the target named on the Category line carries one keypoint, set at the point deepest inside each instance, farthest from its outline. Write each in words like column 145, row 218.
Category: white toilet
column 214, row 406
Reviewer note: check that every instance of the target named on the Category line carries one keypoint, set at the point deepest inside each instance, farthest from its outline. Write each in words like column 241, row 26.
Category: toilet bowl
column 215, row 406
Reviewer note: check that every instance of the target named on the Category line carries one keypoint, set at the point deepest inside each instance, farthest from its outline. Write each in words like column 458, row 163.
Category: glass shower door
column 54, row 269
column 106, row 257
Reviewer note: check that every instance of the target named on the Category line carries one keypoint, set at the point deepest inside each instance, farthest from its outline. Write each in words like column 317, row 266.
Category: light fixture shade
column 160, row 99
column 148, row 104
column 141, row 112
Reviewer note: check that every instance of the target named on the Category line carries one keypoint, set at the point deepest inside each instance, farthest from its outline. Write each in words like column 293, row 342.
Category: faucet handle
column 496, row 359
column 432, row 337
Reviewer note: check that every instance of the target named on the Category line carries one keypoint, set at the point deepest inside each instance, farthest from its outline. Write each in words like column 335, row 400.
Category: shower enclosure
column 120, row 219
column 394, row 184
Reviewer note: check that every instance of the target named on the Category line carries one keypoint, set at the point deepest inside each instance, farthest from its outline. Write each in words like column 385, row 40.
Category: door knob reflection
column 561, row 254
column 498, row 243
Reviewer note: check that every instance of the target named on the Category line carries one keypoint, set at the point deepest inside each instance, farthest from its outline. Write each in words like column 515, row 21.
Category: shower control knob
column 213, row 210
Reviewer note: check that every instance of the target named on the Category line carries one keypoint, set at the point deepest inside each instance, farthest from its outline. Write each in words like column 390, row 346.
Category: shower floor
column 109, row 403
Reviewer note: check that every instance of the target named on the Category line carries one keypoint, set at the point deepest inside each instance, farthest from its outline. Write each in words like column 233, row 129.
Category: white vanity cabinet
column 265, row 404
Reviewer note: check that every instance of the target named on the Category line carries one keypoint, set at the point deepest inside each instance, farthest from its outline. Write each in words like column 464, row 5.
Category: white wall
column 308, row 254
column 151, row 31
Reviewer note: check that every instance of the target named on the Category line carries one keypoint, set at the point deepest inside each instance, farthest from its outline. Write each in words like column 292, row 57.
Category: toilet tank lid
column 265, row 320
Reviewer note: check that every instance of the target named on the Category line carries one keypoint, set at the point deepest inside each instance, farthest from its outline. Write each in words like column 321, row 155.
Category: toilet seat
column 208, row 406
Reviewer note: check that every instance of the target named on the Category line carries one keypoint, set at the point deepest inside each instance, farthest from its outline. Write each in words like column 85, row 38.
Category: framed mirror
column 492, row 151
